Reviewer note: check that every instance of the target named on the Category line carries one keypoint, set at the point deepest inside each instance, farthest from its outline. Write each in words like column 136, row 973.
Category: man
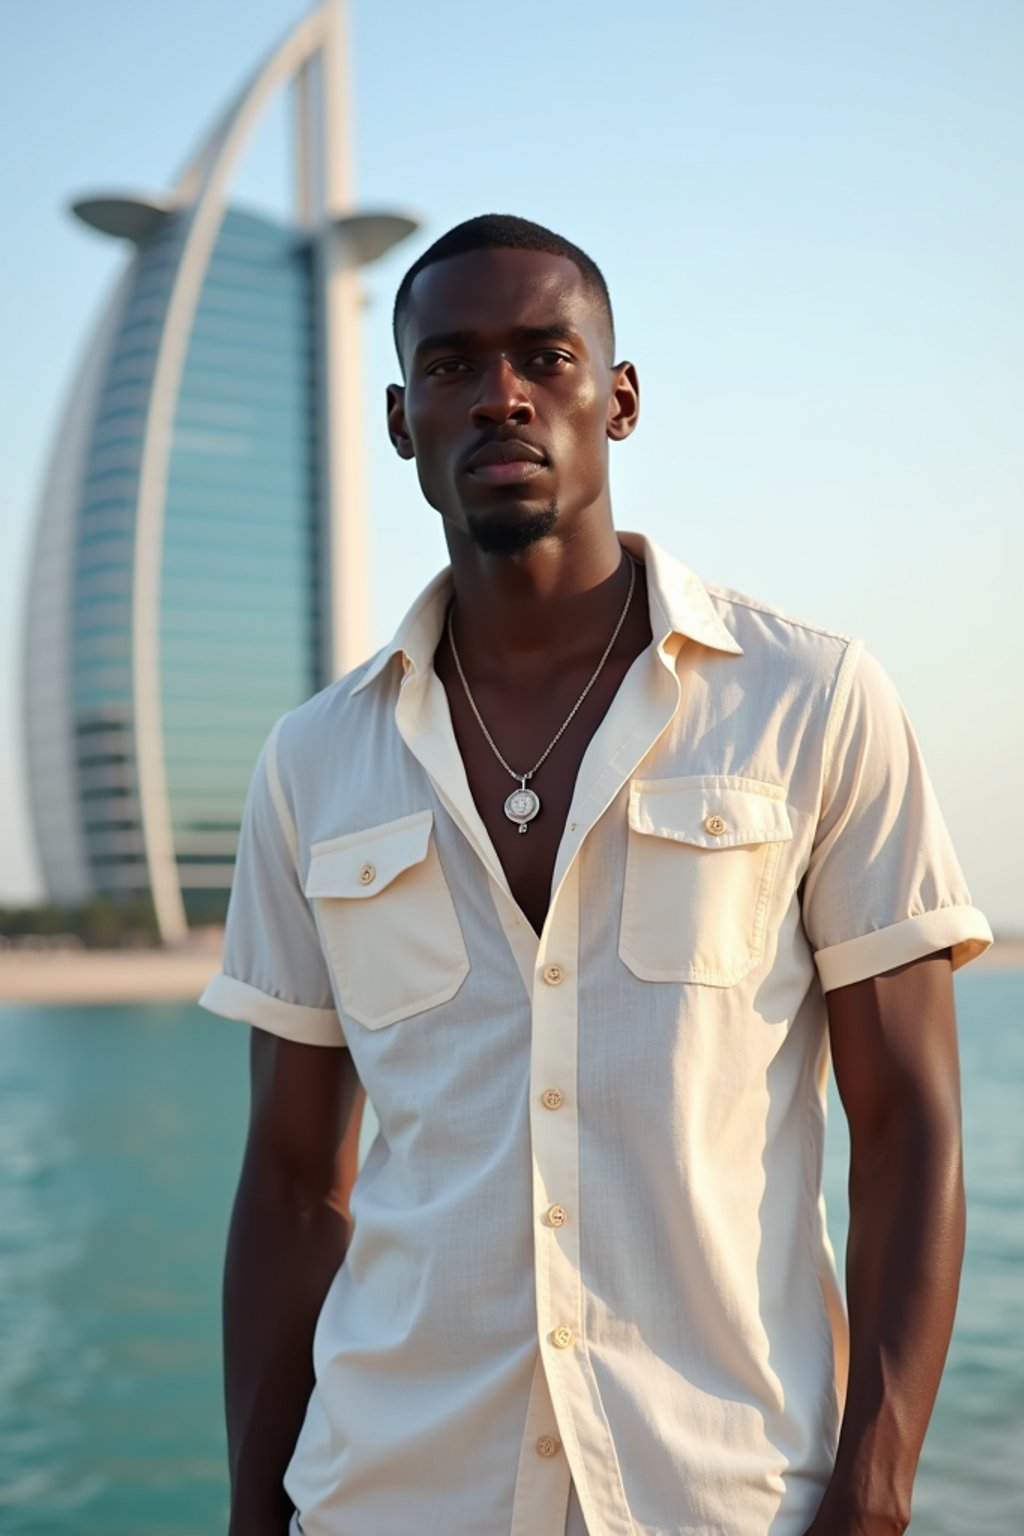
column 580, row 876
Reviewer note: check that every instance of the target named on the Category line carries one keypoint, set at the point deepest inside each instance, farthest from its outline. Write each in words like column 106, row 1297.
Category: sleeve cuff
column 963, row 930
column 234, row 999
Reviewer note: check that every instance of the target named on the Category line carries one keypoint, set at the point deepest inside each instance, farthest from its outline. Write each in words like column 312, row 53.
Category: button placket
column 555, row 1132
column 542, row 1480
column 521, row 939
column 588, row 1447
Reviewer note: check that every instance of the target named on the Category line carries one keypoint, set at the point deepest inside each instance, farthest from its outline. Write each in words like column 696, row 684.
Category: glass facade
column 101, row 628
column 239, row 608
column 238, row 621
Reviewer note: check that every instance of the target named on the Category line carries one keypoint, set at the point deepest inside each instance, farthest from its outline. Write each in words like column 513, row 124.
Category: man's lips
column 501, row 463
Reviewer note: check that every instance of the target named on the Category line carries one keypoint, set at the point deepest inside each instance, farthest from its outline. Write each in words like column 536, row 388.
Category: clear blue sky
column 810, row 219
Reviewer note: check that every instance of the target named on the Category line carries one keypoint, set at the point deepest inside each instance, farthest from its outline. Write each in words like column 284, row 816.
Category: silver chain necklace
column 523, row 804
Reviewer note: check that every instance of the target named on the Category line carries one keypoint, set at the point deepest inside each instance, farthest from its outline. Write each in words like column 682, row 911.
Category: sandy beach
column 1005, row 955
column 102, row 976
column 179, row 976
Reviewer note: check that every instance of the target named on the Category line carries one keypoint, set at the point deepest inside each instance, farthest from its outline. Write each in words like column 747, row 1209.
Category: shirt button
column 548, row 1446
column 552, row 1098
column 715, row 825
column 553, row 975
column 562, row 1337
column 557, row 1216
column 367, row 875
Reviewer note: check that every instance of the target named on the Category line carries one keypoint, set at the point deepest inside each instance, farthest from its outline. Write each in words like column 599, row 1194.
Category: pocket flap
column 361, row 864
column 710, row 810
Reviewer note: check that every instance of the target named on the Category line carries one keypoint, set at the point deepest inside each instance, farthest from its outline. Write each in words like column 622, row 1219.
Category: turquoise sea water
column 120, row 1138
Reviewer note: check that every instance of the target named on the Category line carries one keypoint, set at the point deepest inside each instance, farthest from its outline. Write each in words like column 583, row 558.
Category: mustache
column 511, row 438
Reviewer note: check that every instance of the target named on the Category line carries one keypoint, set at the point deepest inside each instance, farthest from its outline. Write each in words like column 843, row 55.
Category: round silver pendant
column 522, row 806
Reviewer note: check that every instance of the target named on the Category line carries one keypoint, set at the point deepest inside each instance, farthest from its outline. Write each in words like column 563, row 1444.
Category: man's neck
column 555, row 599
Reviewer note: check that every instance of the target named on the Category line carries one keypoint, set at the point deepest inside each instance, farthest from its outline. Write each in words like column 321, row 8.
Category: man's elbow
column 912, row 1135
column 291, row 1185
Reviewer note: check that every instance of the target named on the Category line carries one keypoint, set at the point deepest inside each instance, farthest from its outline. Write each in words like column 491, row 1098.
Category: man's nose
column 502, row 396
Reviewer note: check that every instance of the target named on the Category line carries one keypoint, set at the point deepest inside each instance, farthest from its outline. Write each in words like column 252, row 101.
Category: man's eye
column 548, row 357
column 447, row 365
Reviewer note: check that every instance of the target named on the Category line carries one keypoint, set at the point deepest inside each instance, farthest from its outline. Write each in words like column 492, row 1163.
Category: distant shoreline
column 53, row 977
column 1004, row 955
column 105, row 976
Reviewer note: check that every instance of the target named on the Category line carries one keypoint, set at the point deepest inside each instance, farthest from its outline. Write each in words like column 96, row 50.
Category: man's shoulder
column 763, row 632
column 778, row 638
column 308, row 725
column 762, row 616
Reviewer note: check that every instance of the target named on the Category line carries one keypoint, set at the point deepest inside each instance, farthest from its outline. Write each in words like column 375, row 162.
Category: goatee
column 509, row 532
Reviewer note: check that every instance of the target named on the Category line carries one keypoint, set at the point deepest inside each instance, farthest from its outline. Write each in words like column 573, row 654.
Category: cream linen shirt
column 590, row 1253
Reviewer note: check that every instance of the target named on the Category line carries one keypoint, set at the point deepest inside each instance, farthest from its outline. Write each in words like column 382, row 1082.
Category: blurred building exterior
column 199, row 563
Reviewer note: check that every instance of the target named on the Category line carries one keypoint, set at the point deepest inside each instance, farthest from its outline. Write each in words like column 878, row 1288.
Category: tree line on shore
column 99, row 923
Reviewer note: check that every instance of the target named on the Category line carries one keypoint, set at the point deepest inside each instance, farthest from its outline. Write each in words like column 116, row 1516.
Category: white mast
column 344, row 574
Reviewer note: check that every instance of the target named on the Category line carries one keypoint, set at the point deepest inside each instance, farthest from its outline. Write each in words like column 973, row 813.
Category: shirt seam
column 899, row 922
column 275, row 997
column 277, row 795
column 738, row 600
column 843, row 683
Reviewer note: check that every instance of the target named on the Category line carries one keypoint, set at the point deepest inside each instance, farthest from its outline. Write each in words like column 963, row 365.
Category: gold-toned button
column 548, row 1446
column 562, row 1337
column 367, row 875
column 554, row 975
column 557, row 1216
column 715, row 825
column 552, row 1098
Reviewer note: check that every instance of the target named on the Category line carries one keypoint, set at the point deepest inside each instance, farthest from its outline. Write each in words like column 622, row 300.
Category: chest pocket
column 700, row 868
column 387, row 920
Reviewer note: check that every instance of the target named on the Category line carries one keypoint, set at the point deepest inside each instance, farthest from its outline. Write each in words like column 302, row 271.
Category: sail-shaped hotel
column 198, row 566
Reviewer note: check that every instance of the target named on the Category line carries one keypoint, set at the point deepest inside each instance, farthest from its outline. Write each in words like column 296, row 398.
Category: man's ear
column 397, row 431
column 624, row 404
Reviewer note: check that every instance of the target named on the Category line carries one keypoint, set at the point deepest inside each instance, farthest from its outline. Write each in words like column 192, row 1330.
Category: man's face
column 510, row 396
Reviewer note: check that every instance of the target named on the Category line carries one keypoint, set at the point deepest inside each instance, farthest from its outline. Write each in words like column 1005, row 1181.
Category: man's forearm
column 904, row 1257
column 284, row 1247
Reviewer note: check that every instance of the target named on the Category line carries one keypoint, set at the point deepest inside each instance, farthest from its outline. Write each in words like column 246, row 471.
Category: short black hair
column 502, row 231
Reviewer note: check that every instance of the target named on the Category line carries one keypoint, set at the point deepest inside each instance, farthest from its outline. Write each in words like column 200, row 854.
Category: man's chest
column 549, row 727
column 684, row 829
column 647, row 999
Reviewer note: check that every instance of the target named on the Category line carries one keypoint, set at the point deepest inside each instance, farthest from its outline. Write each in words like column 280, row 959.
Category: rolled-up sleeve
column 273, row 974
column 883, row 886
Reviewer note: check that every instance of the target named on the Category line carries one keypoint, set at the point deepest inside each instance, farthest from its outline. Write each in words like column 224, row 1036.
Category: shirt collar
column 678, row 600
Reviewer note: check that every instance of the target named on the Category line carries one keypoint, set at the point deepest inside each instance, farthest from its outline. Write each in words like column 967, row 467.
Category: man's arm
column 289, row 1231
column 894, row 1052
